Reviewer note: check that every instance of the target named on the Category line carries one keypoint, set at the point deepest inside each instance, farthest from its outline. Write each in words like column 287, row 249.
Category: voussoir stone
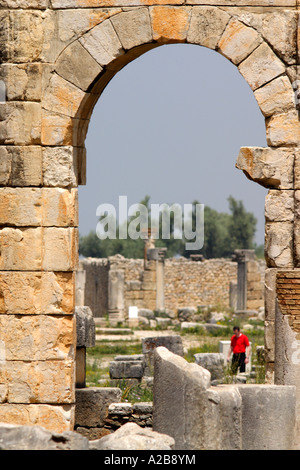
column 276, row 96
column 170, row 23
column 133, row 27
column 207, row 25
column 238, row 41
column 261, row 66
column 102, row 43
column 77, row 66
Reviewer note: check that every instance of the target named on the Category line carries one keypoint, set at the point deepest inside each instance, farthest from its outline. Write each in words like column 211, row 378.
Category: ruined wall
column 194, row 283
column 184, row 283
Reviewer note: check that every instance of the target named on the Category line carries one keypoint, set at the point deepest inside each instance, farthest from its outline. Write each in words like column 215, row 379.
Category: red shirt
column 239, row 343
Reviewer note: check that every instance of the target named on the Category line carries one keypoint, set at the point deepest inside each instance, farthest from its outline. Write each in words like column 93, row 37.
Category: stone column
column 116, row 304
column 160, row 278
column 242, row 257
column 157, row 255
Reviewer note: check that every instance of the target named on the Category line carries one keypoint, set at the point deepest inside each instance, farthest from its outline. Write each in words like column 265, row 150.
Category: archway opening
column 170, row 125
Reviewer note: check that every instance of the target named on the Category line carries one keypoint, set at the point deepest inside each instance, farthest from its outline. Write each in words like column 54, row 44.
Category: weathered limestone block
column 62, row 96
column 22, row 81
column 102, row 43
column 20, row 123
column 276, row 96
column 279, row 206
column 149, row 345
column 37, row 337
column 207, row 26
column 38, row 207
column 189, row 410
column 133, row 27
column 272, row 168
column 81, row 72
column 72, row 25
column 170, row 23
column 60, row 166
column 279, row 244
column 92, row 405
column 36, row 248
column 21, row 249
column 63, row 27
column 213, row 362
column 58, row 418
column 23, row 42
column 261, row 66
column 20, row 166
column 36, row 293
column 131, row 436
column 50, row 382
column 56, row 129
column 60, row 249
column 280, row 30
column 85, row 327
column 126, row 369
column 238, row 41
column 14, row 437
column 263, row 426
column 283, row 129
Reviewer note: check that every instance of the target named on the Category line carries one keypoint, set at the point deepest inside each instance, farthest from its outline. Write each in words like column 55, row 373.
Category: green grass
column 120, row 348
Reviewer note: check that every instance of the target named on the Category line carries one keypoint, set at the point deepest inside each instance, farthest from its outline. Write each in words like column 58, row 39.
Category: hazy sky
column 170, row 125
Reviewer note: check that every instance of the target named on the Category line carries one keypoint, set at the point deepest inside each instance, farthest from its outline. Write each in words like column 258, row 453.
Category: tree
column 223, row 233
column 241, row 227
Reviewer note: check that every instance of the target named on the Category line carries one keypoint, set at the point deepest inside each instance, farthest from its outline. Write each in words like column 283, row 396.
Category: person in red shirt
column 240, row 349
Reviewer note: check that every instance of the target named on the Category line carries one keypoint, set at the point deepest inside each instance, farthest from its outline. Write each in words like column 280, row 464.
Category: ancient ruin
column 56, row 58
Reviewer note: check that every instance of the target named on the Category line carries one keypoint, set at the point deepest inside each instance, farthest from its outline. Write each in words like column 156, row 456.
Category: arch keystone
column 170, row 23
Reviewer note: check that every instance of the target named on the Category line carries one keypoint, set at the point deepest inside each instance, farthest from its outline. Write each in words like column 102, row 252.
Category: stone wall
column 116, row 283
column 194, row 283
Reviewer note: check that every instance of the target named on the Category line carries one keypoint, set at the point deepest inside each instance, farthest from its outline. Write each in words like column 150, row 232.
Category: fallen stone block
column 92, row 405
column 214, row 362
column 126, row 369
column 130, row 436
column 14, row 437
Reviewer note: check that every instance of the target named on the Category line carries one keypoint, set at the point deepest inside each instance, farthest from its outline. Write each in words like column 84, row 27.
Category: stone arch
column 53, row 78
column 85, row 66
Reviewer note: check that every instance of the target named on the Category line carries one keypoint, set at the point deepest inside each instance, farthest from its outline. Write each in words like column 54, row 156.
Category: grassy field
column 195, row 340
